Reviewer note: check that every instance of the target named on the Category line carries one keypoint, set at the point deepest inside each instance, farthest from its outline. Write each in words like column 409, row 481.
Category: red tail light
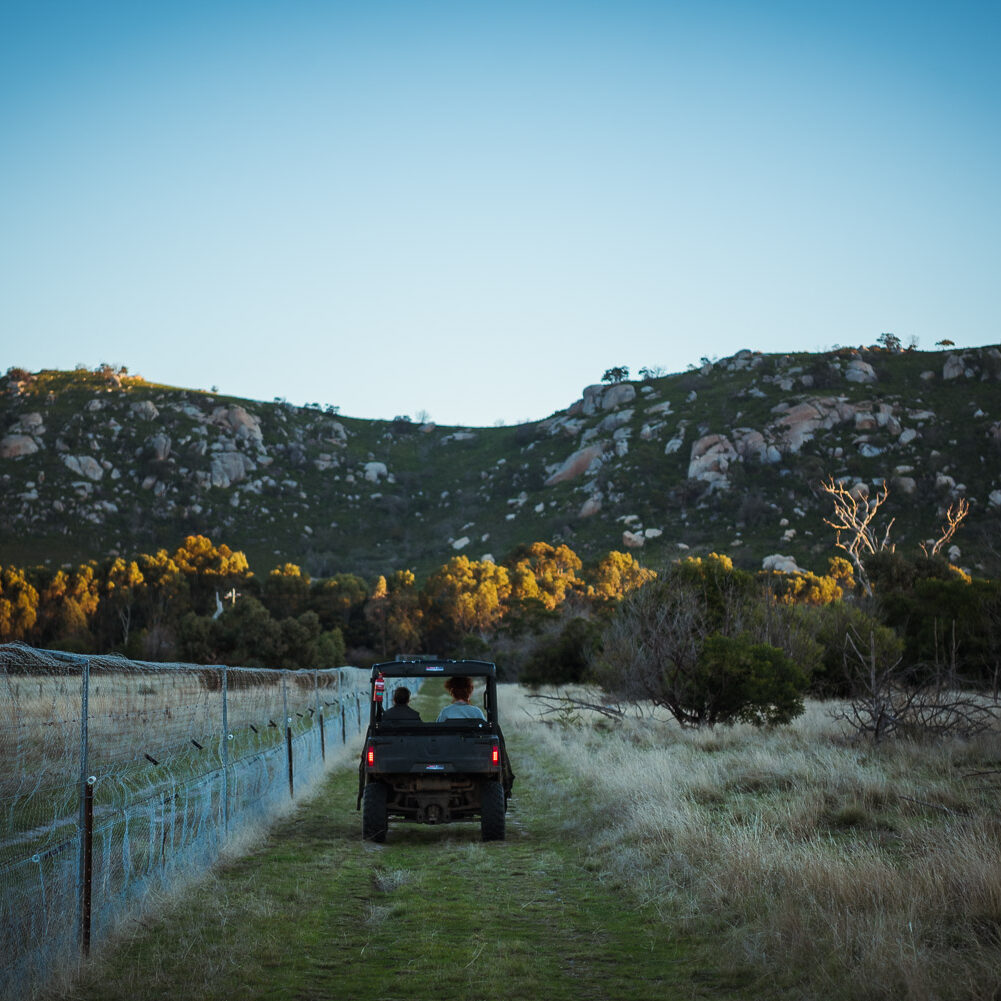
column 370, row 757
column 495, row 755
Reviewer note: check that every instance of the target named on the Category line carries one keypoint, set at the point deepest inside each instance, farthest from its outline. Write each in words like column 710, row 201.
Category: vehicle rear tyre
column 492, row 807
column 374, row 815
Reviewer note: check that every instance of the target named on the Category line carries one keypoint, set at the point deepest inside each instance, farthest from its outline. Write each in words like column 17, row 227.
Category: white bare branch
column 853, row 520
column 953, row 519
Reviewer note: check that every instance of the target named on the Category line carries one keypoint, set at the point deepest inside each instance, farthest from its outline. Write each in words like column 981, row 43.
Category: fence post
column 86, row 888
column 319, row 713
column 86, row 801
column 340, row 705
column 225, row 752
column 288, row 733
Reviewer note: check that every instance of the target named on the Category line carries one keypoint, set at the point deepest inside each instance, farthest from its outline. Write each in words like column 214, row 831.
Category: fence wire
column 117, row 777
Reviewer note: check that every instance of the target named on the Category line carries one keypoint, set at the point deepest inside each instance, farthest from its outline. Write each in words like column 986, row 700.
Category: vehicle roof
column 435, row 668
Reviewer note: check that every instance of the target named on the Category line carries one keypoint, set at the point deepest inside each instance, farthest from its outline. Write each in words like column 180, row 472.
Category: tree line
column 202, row 603
column 714, row 644
column 706, row 640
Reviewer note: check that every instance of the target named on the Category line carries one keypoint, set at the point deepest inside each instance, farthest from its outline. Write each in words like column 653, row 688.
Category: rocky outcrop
column 618, row 395
column 780, row 563
column 159, row 445
column 798, row 424
column 711, row 457
column 752, row 445
column 858, row 370
column 24, row 437
column 607, row 397
column 16, row 446
column 576, row 465
column 954, row 367
column 674, row 445
column 29, row 424
column 244, row 425
column 144, row 410
column 84, row 465
column 375, row 471
column 615, row 421
column 230, row 467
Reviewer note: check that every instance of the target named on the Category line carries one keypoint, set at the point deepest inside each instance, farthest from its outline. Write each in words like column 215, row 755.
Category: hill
column 726, row 457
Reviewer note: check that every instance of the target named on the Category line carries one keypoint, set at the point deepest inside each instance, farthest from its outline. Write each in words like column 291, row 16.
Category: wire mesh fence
column 119, row 776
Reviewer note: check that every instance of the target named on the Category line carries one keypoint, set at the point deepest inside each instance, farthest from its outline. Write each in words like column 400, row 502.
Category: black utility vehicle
column 429, row 772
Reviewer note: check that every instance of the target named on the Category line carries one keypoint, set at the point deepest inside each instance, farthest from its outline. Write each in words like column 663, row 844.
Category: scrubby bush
column 564, row 658
column 742, row 681
column 831, row 625
column 696, row 642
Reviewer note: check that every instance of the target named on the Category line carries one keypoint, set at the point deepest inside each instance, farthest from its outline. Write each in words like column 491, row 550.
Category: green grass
column 642, row 862
column 314, row 912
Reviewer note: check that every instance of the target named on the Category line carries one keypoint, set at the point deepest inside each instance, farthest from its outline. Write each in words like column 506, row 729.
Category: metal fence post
column 87, row 885
column 288, row 733
column 225, row 752
column 319, row 713
column 340, row 706
column 86, row 802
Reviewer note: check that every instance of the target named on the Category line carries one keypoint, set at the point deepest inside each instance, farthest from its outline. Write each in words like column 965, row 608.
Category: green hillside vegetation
column 308, row 486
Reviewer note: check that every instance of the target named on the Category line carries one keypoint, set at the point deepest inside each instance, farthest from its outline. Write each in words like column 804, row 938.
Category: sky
column 472, row 210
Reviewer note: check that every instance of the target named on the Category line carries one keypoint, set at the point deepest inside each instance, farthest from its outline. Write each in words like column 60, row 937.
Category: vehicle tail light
column 370, row 757
column 495, row 755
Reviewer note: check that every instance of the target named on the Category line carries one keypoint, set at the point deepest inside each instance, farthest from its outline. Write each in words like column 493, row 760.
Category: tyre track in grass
column 314, row 913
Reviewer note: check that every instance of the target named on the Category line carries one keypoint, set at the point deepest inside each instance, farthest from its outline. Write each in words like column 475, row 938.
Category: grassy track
column 315, row 913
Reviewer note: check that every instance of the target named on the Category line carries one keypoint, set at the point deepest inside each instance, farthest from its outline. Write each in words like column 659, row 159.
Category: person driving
column 460, row 688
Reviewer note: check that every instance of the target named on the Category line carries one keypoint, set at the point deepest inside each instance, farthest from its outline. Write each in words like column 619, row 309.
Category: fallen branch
column 561, row 705
column 932, row 806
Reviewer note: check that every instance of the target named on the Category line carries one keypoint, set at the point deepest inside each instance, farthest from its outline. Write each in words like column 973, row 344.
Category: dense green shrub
column 739, row 680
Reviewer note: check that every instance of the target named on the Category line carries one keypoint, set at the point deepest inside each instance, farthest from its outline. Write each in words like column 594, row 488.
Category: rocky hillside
column 726, row 457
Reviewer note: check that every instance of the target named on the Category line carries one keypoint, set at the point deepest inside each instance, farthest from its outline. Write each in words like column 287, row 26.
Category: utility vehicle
column 429, row 772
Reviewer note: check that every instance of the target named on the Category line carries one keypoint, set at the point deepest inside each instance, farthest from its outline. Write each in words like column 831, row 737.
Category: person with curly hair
column 460, row 688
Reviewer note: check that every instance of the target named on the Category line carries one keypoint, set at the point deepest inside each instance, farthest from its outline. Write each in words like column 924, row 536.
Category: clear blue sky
column 475, row 208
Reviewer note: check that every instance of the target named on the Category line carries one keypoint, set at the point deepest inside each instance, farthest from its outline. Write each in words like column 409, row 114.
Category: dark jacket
column 401, row 714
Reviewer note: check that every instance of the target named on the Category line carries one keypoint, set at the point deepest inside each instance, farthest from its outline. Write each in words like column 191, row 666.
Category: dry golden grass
column 817, row 867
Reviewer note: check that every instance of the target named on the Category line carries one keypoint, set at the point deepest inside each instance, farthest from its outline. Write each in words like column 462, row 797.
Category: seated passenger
column 460, row 688
column 400, row 711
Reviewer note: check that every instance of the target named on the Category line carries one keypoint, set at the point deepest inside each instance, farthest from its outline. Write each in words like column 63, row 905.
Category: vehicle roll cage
column 434, row 668
column 439, row 668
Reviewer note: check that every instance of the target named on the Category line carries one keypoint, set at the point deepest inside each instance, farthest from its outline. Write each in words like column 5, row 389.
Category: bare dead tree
column 889, row 704
column 953, row 519
column 652, row 649
column 854, row 517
